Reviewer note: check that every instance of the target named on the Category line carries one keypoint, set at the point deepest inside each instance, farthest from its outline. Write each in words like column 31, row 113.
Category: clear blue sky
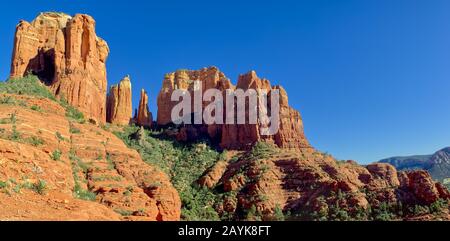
column 371, row 78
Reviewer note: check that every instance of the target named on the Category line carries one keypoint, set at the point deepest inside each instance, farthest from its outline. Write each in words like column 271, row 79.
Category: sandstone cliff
column 290, row 134
column 119, row 107
column 230, row 136
column 209, row 78
column 66, row 54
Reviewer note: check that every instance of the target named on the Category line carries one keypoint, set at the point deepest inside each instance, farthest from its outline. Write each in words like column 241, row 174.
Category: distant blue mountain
column 437, row 164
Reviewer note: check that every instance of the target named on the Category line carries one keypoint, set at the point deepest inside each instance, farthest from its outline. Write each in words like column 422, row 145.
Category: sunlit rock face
column 119, row 105
column 68, row 56
column 230, row 136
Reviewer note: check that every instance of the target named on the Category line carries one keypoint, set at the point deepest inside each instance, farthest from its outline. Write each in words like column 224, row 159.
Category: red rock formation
column 68, row 56
column 384, row 175
column 210, row 77
column 423, row 187
column 144, row 117
column 309, row 181
column 213, row 175
column 231, row 136
column 290, row 134
column 119, row 107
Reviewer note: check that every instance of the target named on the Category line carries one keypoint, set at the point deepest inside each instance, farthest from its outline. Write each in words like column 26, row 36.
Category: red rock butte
column 231, row 136
column 68, row 56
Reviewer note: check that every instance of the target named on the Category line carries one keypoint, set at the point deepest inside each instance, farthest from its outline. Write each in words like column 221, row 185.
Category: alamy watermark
column 231, row 111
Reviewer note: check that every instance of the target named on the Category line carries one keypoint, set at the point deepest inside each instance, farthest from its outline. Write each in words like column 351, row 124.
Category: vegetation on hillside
column 183, row 163
column 31, row 85
column 28, row 85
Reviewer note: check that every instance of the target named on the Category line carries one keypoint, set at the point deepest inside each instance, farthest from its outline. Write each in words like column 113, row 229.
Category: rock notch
column 119, row 105
column 68, row 56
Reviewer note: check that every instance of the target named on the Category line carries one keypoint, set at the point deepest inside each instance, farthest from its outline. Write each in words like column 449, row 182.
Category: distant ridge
column 437, row 164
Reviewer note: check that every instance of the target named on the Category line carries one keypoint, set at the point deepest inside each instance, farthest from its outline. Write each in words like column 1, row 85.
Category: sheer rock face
column 209, row 78
column 68, row 57
column 143, row 116
column 119, row 107
column 231, row 136
column 290, row 133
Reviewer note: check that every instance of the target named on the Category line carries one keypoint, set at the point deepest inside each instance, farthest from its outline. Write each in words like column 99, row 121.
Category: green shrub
column 278, row 214
column 36, row 108
column 103, row 178
column 29, row 85
column 111, row 165
column 40, row 187
column 34, row 141
column 13, row 118
column 184, row 164
column 3, row 184
column 261, row 150
column 78, row 191
column 253, row 214
column 124, row 213
column 59, row 136
column 106, row 127
column 15, row 134
column 73, row 113
column 83, row 194
column 74, row 130
column 56, row 155
column 420, row 210
column 9, row 100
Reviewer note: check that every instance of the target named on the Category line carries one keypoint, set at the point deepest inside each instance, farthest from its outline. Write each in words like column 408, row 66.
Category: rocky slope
column 438, row 164
column 54, row 166
column 270, row 183
column 311, row 185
